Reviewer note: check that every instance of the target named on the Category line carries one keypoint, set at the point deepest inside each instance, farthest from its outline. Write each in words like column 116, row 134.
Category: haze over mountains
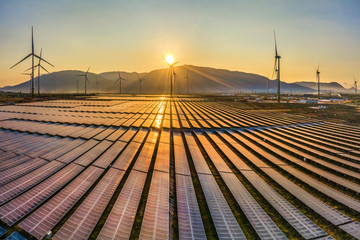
column 201, row 80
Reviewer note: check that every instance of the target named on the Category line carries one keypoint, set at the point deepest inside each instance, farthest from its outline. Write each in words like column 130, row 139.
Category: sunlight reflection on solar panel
column 199, row 159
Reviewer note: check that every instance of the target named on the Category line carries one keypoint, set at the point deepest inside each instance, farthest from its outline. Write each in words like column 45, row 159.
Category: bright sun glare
column 169, row 59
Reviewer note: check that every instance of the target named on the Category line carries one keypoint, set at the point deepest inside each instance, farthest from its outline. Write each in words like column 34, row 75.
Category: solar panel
column 308, row 153
column 93, row 153
column 17, row 208
column 300, row 222
column 109, row 155
column 119, row 223
column 116, row 134
column 93, row 132
column 352, row 228
column 308, row 199
column 239, row 163
column 16, row 236
column 60, row 151
column 189, row 216
column 105, row 133
column 198, row 159
column 16, row 187
column 222, row 216
column 48, row 215
column 258, row 218
column 2, row 231
column 162, row 162
column 181, row 162
column 217, row 160
column 329, row 191
column 82, row 222
column 78, row 151
column 12, row 160
column 155, row 224
column 20, row 170
column 143, row 161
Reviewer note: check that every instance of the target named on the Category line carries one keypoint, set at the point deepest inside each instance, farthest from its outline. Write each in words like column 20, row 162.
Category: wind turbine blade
column 32, row 39
column 31, row 68
column 26, row 73
column 175, row 63
column 40, row 58
column 21, row 60
column 276, row 53
column 44, row 69
column 274, row 70
column 165, row 61
column 87, row 71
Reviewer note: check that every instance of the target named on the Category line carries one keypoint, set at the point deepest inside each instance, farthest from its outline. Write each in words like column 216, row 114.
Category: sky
column 229, row 34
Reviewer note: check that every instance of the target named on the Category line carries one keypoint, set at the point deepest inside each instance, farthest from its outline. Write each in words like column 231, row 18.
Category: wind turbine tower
column 318, row 80
column 355, row 86
column 171, row 74
column 187, row 83
column 29, row 74
column 140, row 80
column 32, row 55
column 277, row 69
column 120, row 79
column 97, row 86
column 86, row 80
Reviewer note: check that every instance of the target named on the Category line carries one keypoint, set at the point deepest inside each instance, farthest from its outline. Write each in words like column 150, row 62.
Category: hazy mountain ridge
column 323, row 86
column 201, row 80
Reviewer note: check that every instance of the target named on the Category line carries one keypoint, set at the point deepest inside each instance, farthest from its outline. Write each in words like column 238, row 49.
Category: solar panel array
column 190, row 168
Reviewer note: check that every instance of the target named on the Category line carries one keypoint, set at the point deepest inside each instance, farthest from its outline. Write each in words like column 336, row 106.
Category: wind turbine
column 97, row 86
column 29, row 74
column 85, row 78
column 268, row 84
column 120, row 79
column 171, row 74
column 355, row 85
column 32, row 55
column 187, row 83
column 39, row 66
column 140, row 80
column 318, row 80
column 277, row 69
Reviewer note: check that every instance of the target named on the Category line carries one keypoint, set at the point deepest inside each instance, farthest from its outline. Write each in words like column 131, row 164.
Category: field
column 180, row 168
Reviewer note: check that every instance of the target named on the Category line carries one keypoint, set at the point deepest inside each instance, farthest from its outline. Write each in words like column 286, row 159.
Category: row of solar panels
column 173, row 114
column 102, row 155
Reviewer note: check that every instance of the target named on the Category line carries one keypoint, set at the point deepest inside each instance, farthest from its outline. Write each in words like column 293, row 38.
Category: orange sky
column 235, row 35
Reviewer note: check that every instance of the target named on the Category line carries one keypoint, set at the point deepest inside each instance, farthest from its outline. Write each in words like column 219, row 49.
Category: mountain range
column 201, row 80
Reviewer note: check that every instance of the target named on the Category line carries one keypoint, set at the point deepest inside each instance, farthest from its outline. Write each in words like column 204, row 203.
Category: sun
column 169, row 59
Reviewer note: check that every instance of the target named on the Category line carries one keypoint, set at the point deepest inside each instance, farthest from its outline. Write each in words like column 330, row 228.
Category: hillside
column 201, row 80
column 325, row 87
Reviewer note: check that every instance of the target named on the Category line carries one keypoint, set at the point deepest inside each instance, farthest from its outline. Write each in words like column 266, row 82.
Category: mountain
column 326, row 87
column 201, row 80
